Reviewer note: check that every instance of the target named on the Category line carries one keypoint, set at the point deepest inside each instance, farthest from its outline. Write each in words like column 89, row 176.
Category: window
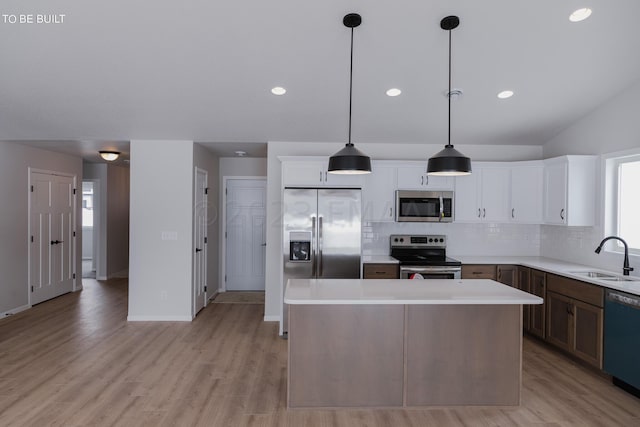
column 87, row 204
column 629, row 202
column 622, row 199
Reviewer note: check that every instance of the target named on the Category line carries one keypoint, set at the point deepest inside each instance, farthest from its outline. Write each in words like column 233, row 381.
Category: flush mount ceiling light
column 394, row 92
column 278, row 90
column 449, row 162
column 350, row 160
column 505, row 94
column 241, row 153
column 580, row 14
column 109, row 156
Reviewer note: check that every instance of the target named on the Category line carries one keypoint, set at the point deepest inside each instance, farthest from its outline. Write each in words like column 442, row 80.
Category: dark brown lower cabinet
column 507, row 274
column 574, row 325
column 380, row 271
column 523, row 285
column 538, row 287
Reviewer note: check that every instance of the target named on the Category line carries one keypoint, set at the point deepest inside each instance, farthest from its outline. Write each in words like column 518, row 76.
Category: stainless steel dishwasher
column 622, row 339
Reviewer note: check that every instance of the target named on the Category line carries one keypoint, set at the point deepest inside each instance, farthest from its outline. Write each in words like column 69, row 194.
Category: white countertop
column 561, row 268
column 379, row 259
column 399, row 291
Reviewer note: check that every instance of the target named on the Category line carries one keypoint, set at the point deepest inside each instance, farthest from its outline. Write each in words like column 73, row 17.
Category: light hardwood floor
column 76, row 361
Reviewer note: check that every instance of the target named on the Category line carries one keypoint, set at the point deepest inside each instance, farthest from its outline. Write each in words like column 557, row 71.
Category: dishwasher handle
column 624, row 299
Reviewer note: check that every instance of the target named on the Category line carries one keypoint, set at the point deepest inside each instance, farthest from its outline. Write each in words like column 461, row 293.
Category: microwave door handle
column 441, row 209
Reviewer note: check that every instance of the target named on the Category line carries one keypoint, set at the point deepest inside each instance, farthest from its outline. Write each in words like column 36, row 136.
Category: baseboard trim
column 271, row 318
column 159, row 319
column 14, row 311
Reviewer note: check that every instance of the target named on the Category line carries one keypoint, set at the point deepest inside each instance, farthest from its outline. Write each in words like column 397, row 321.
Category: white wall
column 243, row 166
column 612, row 127
column 203, row 159
column 389, row 151
column 160, row 273
column 15, row 159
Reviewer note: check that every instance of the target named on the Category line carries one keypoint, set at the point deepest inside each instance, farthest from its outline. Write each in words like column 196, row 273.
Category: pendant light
column 350, row 160
column 449, row 162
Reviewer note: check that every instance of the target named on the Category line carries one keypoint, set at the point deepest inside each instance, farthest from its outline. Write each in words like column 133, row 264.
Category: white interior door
column 52, row 236
column 200, row 241
column 245, row 234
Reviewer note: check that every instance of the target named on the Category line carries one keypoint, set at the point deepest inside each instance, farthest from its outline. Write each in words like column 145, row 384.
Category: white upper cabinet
column 378, row 193
column 483, row 196
column 569, row 190
column 312, row 172
column 413, row 176
column 526, row 192
column 467, row 193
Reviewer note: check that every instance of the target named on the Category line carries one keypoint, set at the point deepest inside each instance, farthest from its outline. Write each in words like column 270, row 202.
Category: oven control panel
column 422, row 241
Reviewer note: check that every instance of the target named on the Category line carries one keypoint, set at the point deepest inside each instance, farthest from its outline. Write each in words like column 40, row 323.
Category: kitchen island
column 402, row 343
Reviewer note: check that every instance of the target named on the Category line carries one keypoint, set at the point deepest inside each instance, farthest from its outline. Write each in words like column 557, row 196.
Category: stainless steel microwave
column 424, row 206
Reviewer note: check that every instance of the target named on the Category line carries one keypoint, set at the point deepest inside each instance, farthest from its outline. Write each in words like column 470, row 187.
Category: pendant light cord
column 350, row 86
column 449, row 94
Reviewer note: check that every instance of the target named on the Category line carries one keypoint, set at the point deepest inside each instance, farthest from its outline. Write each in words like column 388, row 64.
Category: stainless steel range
column 424, row 256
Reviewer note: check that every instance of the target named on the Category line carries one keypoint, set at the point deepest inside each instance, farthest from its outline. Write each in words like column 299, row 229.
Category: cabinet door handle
column 478, row 212
column 422, row 180
column 427, row 180
column 484, row 212
column 390, row 212
column 562, row 214
column 320, row 176
column 325, row 176
column 513, row 212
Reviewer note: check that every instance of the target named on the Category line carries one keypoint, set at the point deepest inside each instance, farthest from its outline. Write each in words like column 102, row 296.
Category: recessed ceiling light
column 505, row 94
column 278, row 90
column 394, row 92
column 240, row 153
column 580, row 15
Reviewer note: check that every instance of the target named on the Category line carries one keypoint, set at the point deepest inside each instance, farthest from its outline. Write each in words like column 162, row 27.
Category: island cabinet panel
column 478, row 271
column 346, row 355
column 474, row 360
column 380, row 271
column 575, row 318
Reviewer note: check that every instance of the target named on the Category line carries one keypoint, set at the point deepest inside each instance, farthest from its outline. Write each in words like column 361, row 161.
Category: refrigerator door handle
column 313, row 246
column 319, row 246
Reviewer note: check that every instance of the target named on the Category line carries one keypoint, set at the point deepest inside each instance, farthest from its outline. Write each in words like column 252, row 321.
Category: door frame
column 77, row 284
column 194, row 285
column 223, row 224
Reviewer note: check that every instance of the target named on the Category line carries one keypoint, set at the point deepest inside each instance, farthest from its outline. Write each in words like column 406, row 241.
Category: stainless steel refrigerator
column 322, row 234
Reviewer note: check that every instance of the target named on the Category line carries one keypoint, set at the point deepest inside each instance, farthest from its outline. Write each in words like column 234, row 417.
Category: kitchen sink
column 596, row 274
column 618, row 279
column 604, row 276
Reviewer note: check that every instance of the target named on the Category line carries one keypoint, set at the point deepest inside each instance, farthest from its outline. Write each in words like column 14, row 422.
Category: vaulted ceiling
column 203, row 70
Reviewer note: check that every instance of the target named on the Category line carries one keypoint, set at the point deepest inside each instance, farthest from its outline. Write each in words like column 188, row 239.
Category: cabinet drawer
column 576, row 289
column 479, row 271
column 381, row 271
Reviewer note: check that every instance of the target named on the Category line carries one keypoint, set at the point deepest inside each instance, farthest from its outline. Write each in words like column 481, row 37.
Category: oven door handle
column 431, row 269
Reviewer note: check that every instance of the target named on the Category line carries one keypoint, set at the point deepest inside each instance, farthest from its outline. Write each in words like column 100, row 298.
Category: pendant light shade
column 350, row 160
column 449, row 162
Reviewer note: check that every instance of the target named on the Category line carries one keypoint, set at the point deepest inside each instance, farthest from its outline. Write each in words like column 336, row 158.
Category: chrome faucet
column 625, row 267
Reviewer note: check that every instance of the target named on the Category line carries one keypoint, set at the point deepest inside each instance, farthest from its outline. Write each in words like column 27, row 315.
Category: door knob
column 198, row 250
column 264, row 244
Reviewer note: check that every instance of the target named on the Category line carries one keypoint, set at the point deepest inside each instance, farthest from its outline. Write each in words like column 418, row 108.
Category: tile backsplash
column 462, row 239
